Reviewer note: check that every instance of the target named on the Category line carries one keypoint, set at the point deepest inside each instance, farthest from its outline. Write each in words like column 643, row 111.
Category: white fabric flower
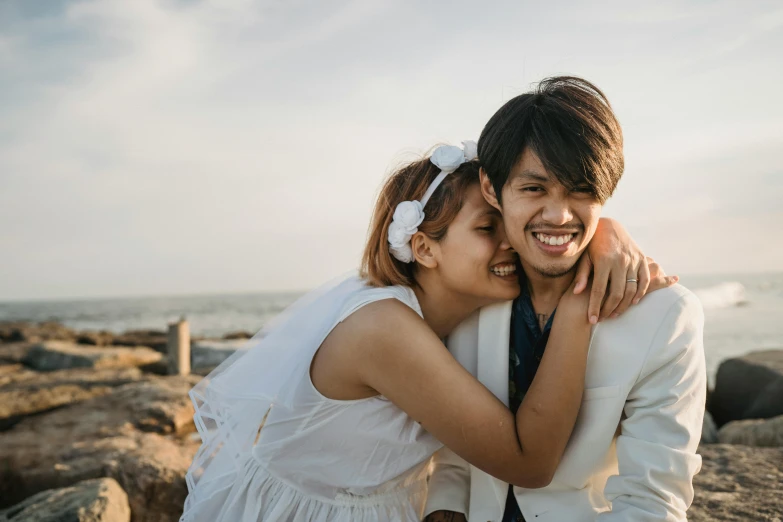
column 402, row 253
column 448, row 157
column 398, row 234
column 471, row 150
column 409, row 214
column 406, row 220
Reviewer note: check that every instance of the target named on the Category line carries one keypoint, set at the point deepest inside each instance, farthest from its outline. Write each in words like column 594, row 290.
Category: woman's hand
column 619, row 266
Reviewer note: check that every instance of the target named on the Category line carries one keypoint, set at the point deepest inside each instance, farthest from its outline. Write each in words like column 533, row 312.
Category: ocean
column 744, row 312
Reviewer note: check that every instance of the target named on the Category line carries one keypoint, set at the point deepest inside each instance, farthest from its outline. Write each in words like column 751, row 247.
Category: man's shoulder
column 630, row 337
column 656, row 308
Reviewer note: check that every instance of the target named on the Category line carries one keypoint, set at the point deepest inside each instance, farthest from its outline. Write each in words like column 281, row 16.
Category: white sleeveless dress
column 326, row 460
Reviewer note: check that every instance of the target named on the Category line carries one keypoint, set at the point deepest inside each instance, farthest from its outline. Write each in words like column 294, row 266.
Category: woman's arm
column 399, row 356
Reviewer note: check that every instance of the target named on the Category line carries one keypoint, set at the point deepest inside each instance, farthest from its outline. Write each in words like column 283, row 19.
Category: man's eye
column 532, row 189
column 583, row 190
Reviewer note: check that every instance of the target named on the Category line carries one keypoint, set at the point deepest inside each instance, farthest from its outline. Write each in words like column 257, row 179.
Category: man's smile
column 555, row 243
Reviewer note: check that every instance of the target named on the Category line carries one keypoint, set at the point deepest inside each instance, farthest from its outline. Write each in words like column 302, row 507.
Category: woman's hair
column 409, row 183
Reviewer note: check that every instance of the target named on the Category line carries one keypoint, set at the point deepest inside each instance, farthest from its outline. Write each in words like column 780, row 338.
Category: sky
column 186, row 147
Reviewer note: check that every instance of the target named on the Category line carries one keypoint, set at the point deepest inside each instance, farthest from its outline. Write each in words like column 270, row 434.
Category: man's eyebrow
column 532, row 175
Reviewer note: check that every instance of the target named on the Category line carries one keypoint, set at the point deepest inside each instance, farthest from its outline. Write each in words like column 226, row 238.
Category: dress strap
column 372, row 294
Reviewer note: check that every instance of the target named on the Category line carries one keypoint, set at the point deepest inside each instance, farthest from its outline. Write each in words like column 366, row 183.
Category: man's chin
column 554, row 270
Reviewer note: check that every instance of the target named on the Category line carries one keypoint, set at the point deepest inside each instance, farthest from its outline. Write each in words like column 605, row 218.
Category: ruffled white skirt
column 259, row 496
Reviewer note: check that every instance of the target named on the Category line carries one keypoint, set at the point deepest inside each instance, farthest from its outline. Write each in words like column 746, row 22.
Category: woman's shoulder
column 381, row 298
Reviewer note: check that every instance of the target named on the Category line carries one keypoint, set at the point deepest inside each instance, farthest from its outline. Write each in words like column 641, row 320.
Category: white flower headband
column 409, row 214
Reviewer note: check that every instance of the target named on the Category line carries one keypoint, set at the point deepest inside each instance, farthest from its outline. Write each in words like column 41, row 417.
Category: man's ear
column 488, row 191
column 423, row 250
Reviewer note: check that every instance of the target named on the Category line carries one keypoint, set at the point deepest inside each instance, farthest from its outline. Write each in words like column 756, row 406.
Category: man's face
column 548, row 225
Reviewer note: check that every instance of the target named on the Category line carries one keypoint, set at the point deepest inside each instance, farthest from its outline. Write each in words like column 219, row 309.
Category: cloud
column 192, row 146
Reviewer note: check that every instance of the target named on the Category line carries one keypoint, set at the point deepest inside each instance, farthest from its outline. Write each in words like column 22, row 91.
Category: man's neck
column 546, row 291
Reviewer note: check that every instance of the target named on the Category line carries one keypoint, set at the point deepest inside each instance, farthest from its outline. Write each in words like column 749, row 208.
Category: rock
column 137, row 433
column 101, row 338
column 25, row 392
column 206, row 355
column 160, row 405
column 97, row 500
column 58, row 355
column 768, row 403
column 160, row 367
column 14, row 352
column 155, row 339
column 16, row 331
column 754, row 432
column 738, row 484
column 709, row 432
column 748, row 386
column 11, row 372
column 237, row 335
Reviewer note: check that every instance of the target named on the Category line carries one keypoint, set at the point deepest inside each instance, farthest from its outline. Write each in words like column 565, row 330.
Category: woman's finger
column 582, row 273
column 600, row 282
column 631, row 284
column 659, row 279
column 644, row 280
column 616, row 290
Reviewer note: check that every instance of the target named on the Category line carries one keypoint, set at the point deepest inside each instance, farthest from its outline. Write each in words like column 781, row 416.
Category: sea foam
column 723, row 295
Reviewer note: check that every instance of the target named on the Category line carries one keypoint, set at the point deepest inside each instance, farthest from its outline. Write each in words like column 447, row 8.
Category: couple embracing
column 504, row 354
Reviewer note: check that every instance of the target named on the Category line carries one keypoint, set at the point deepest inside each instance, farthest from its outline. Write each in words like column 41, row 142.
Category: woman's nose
column 504, row 243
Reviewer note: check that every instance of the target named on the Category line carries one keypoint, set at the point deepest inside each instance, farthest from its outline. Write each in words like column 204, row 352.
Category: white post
column 178, row 348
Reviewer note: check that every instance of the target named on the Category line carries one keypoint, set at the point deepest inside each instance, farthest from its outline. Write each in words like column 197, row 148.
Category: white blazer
column 632, row 455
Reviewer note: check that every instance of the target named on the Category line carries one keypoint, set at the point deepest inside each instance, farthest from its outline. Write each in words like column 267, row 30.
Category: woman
column 333, row 414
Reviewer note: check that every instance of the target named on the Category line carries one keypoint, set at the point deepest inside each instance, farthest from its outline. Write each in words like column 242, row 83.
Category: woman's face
column 474, row 258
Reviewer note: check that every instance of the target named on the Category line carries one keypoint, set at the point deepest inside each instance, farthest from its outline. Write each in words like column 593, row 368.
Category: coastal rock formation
column 738, row 484
column 709, row 432
column 97, row 500
column 19, row 331
column 10, row 372
column 24, row 392
column 59, row 355
column 237, row 335
column 748, row 387
column 155, row 339
column 754, row 432
column 14, row 352
column 99, row 338
column 137, row 433
column 206, row 355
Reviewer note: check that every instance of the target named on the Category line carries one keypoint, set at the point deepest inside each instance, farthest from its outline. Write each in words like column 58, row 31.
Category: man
column 550, row 159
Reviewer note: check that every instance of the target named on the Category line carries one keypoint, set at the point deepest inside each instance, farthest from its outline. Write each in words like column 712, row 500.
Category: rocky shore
column 91, row 429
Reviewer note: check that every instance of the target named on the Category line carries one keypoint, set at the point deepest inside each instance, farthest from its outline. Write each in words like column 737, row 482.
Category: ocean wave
column 724, row 295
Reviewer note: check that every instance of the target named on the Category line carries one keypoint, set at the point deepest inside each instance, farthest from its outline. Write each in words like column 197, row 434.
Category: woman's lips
column 504, row 270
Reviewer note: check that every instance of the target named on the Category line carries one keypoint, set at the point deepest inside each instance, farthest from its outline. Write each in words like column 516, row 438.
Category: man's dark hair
column 569, row 124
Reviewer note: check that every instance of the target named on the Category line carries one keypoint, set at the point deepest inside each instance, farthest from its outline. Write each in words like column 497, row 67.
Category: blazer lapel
column 492, row 371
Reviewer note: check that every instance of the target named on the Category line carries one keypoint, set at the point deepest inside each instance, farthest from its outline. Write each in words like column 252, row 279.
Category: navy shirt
column 526, row 347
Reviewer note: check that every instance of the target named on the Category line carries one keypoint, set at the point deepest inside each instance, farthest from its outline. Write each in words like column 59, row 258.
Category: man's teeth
column 504, row 270
column 554, row 240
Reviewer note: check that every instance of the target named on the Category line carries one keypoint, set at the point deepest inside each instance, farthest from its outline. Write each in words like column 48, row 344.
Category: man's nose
column 557, row 212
